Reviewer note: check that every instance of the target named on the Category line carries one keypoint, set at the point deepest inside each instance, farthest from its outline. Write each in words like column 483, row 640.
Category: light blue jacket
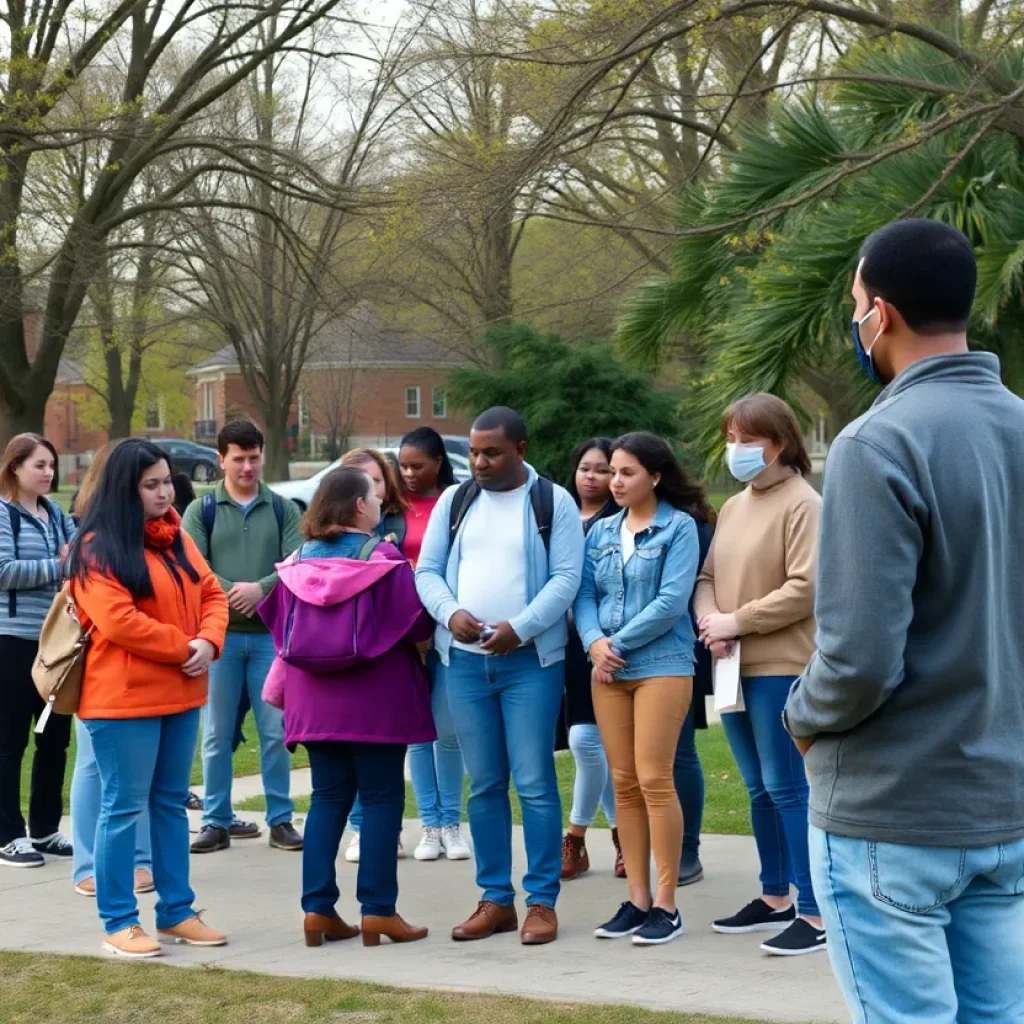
column 643, row 607
column 552, row 579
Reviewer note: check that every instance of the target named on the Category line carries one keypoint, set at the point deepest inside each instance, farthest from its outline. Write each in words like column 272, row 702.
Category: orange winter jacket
column 133, row 667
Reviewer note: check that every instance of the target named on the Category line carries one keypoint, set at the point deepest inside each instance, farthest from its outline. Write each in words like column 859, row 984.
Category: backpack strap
column 542, row 498
column 368, row 548
column 12, row 595
column 277, row 503
column 464, row 497
column 208, row 512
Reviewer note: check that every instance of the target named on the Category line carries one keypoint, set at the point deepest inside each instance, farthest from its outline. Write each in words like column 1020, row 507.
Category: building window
column 207, row 399
column 439, row 398
column 155, row 414
column 412, row 403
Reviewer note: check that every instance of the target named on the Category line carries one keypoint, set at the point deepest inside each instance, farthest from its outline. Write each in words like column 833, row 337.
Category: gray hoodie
column 916, row 692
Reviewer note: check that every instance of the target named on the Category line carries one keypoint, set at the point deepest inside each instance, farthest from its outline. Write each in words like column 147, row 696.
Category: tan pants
column 640, row 721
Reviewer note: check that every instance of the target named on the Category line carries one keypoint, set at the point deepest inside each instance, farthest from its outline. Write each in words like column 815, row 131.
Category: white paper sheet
column 728, row 687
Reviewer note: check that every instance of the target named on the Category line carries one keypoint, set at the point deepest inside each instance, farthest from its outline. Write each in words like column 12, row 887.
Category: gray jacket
column 916, row 693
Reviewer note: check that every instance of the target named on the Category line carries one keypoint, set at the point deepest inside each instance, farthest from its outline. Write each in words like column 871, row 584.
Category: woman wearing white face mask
column 757, row 586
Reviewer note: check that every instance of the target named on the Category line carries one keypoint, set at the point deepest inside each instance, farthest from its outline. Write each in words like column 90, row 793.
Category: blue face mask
column 867, row 364
column 745, row 461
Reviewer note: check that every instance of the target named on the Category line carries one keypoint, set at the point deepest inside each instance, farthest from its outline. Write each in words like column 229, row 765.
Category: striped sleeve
column 24, row 573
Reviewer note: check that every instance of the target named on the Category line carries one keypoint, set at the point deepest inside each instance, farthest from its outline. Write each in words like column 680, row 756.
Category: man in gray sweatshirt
column 911, row 714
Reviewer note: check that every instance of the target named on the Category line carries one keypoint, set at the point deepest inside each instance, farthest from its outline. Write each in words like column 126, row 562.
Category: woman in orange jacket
column 158, row 618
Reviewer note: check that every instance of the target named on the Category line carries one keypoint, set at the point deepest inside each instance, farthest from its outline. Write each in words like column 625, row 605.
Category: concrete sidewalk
column 253, row 893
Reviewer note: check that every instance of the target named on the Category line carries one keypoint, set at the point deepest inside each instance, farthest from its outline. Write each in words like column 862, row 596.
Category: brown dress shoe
column 620, row 864
column 488, row 919
column 321, row 927
column 575, row 859
column 396, row 929
column 541, row 925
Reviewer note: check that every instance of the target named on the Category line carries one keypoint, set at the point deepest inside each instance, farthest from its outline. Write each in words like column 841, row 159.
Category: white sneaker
column 352, row 853
column 429, row 846
column 454, row 843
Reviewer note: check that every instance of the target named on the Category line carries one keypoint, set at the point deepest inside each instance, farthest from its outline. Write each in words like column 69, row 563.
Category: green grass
column 247, row 762
column 36, row 987
column 726, row 808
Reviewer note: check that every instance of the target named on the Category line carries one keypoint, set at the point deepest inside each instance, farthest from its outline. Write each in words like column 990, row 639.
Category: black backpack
column 542, row 498
column 208, row 510
column 56, row 517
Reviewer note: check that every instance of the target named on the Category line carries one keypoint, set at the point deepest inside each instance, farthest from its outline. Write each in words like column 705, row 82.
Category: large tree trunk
column 275, row 456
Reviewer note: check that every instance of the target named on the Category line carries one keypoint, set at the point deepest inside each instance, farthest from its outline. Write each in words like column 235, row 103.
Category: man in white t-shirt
column 499, row 569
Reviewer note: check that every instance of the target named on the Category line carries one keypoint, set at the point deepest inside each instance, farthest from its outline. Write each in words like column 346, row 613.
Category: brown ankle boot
column 620, row 864
column 321, row 927
column 575, row 859
column 393, row 927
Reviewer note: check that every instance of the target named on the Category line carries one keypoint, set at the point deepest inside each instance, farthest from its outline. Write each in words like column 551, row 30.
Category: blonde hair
column 91, row 480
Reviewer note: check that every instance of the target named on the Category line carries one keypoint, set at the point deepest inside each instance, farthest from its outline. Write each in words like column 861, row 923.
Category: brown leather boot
column 488, row 919
column 620, row 864
column 575, row 859
column 321, row 927
column 541, row 925
column 393, row 927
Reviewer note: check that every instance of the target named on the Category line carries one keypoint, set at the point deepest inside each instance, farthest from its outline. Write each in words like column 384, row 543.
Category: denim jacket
column 552, row 578
column 642, row 607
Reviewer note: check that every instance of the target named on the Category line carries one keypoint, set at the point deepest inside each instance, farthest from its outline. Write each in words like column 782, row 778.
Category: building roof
column 356, row 339
column 69, row 371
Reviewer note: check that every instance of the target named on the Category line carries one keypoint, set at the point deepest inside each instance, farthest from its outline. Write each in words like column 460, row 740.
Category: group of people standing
column 474, row 623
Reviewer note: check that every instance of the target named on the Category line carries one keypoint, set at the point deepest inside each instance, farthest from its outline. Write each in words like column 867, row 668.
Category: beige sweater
column 761, row 568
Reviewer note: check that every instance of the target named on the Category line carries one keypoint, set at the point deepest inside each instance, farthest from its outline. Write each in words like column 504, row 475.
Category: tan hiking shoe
column 193, row 932
column 86, row 887
column 144, row 881
column 132, row 942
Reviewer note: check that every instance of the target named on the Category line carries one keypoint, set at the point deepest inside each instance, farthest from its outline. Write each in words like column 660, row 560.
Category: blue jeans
column 244, row 663
column 505, row 709
column 436, row 769
column 923, row 934
column 593, row 783
column 689, row 779
column 143, row 761
column 339, row 770
column 86, row 792
column 774, row 774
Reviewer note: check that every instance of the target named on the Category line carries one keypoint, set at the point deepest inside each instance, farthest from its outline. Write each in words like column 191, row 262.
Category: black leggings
column 20, row 706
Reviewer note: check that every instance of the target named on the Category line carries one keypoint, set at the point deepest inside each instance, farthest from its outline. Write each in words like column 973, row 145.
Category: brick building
column 362, row 383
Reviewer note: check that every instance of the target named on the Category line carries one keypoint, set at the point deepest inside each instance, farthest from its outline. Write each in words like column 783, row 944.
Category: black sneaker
column 690, row 871
column 756, row 917
column 627, row 919
column 660, row 927
column 193, row 803
column 211, row 839
column 239, row 829
column 799, row 938
column 20, row 853
column 284, row 837
column 57, row 846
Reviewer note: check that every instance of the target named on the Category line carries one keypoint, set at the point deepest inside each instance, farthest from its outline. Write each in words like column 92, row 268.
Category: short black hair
column 500, row 417
column 926, row 269
column 244, row 433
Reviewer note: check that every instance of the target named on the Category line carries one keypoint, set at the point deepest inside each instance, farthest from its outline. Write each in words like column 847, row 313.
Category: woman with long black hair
column 158, row 617
column 590, row 486
column 633, row 616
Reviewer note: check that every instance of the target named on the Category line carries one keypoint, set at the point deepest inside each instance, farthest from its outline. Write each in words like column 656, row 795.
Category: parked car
column 196, row 460
column 302, row 491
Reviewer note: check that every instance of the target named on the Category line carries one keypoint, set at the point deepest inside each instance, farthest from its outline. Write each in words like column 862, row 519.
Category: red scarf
column 160, row 533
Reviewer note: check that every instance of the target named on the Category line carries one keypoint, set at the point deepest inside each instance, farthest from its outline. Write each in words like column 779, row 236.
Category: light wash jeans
column 923, row 934
column 505, row 709
column 436, row 769
column 86, row 791
column 593, row 783
column 244, row 662
column 143, row 762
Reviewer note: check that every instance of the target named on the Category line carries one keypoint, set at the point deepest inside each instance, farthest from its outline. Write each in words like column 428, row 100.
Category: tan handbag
column 60, row 660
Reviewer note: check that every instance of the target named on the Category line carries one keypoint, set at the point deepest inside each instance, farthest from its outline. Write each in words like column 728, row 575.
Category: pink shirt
column 416, row 519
